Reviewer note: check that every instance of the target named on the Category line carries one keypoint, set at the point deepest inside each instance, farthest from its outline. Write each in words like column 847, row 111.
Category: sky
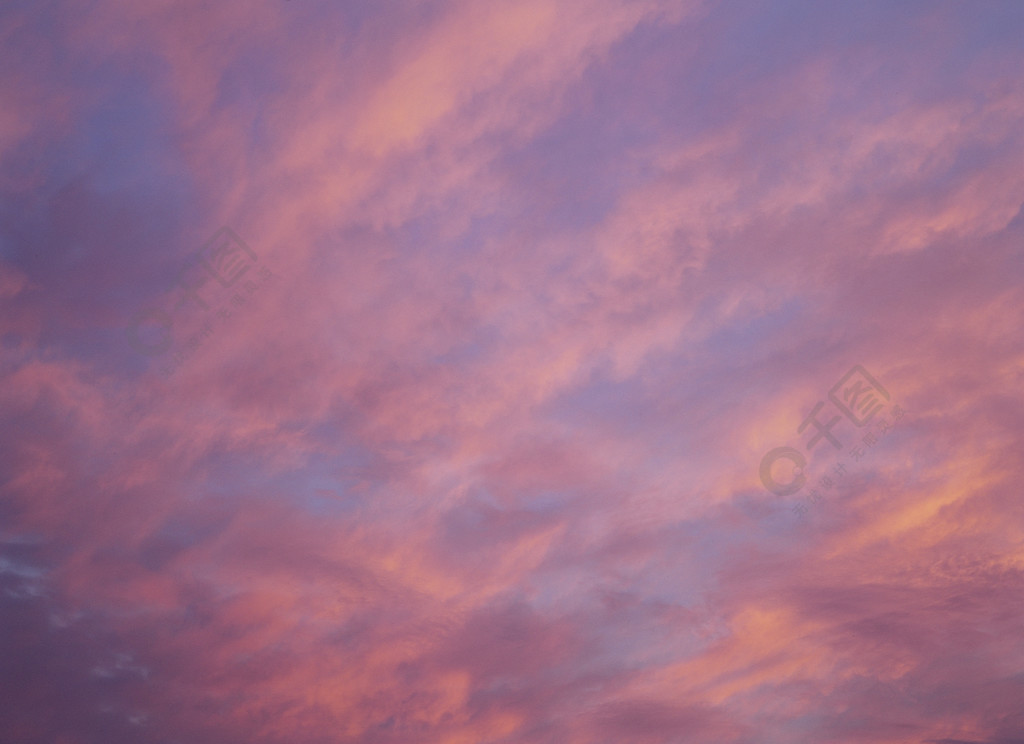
column 511, row 372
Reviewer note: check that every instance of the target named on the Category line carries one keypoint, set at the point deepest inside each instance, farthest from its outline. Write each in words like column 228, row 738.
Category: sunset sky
column 511, row 372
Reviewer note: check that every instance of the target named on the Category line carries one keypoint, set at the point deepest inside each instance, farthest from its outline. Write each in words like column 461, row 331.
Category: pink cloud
column 477, row 460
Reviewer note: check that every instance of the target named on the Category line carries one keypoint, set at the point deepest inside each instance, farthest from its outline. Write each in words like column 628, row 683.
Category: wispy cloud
column 478, row 459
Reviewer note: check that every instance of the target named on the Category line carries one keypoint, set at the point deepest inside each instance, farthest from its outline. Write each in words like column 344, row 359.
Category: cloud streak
column 473, row 456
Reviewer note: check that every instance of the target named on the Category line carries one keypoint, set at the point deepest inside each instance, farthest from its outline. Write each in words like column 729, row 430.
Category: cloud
column 470, row 453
